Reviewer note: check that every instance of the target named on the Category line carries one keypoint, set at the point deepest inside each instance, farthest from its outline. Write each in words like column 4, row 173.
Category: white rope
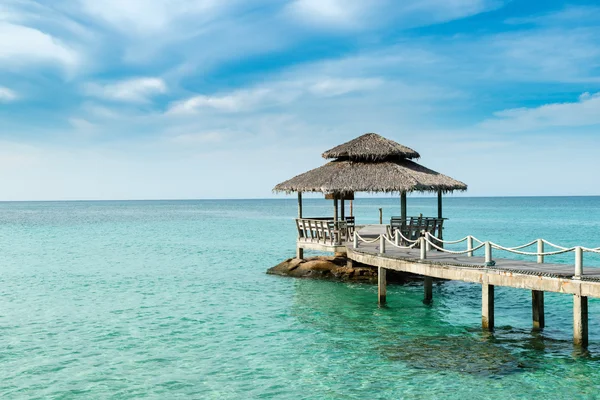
column 522, row 246
column 405, row 238
column 596, row 251
column 449, row 241
column 365, row 240
column 454, row 252
column 554, row 245
column 398, row 246
column 525, row 253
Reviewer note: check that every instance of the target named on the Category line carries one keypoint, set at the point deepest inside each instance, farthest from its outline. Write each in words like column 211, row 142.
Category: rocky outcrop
column 335, row 268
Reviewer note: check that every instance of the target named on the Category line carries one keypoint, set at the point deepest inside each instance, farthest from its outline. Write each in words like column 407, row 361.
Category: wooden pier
column 371, row 163
column 422, row 258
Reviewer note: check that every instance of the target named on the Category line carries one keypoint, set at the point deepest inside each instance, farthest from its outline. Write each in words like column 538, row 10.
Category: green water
column 170, row 300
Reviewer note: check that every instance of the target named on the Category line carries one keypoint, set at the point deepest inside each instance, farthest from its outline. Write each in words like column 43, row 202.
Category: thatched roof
column 371, row 147
column 346, row 176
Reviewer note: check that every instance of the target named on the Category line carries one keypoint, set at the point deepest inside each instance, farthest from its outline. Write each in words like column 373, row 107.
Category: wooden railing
column 325, row 230
column 426, row 242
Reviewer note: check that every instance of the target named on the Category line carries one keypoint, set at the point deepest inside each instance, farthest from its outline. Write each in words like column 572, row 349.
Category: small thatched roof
column 347, row 176
column 371, row 147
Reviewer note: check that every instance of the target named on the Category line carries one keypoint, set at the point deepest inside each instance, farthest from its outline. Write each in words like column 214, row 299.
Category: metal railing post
column 423, row 248
column 540, row 250
column 470, row 246
column 578, row 262
column 382, row 244
column 488, row 254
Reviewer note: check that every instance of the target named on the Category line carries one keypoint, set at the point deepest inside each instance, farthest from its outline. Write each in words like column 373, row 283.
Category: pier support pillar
column 381, row 286
column 580, row 320
column 537, row 307
column 428, row 289
column 349, row 263
column 299, row 253
column 487, row 301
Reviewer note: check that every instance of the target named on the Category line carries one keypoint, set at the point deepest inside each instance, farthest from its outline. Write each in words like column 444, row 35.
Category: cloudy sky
column 147, row 99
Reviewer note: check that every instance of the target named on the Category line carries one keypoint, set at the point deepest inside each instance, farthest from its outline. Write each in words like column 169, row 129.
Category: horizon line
column 285, row 198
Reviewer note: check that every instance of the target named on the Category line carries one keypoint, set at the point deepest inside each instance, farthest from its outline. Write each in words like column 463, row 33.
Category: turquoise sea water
column 170, row 300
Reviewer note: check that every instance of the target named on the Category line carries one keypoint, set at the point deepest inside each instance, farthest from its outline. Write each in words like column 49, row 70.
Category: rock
column 335, row 268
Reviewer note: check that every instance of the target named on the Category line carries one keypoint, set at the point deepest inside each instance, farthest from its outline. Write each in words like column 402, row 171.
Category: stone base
column 336, row 269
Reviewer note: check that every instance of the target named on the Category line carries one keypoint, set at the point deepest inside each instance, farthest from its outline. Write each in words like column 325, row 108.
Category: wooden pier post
column 487, row 312
column 381, row 286
column 299, row 253
column 537, row 306
column 343, row 208
column 580, row 320
column 428, row 289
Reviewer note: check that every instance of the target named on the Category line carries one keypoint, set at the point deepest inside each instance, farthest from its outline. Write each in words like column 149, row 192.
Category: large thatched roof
column 371, row 147
column 346, row 176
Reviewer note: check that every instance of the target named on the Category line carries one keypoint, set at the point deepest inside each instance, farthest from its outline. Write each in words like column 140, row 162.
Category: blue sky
column 147, row 99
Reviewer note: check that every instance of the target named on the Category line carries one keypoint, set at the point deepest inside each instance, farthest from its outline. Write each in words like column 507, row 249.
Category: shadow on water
column 420, row 336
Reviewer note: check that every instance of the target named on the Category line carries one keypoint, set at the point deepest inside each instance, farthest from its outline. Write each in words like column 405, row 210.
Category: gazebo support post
column 299, row 250
column 336, row 237
column 403, row 208
column 440, row 216
column 343, row 208
column 335, row 209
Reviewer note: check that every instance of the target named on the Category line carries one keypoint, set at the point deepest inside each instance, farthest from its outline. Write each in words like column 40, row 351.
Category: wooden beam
column 580, row 320
column 428, row 289
column 487, row 306
column 381, row 286
column 299, row 204
column 403, row 207
column 537, row 306
column 440, row 213
column 335, row 209
column 343, row 209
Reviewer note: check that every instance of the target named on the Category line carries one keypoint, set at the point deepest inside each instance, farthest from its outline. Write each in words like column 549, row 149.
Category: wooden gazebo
column 373, row 164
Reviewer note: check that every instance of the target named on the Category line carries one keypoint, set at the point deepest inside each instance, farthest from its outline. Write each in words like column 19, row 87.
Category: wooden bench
column 412, row 227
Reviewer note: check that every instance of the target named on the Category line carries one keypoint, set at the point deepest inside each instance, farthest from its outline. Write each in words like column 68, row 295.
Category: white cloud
column 199, row 138
column 344, row 13
column 585, row 112
column 7, row 95
column 137, row 90
column 239, row 100
column 19, row 45
column 365, row 14
column 277, row 93
column 145, row 17
column 330, row 87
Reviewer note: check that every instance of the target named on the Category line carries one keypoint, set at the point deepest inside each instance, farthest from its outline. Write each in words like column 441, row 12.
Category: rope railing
column 395, row 243
column 430, row 243
column 515, row 250
column 426, row 242
column 357, row 236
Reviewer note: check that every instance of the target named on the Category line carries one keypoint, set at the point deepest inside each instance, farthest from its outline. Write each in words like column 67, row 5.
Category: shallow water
column 170, row 299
